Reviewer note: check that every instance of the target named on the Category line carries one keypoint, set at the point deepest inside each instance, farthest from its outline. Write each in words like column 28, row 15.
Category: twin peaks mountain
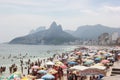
column 53, row 35
column 56, row 35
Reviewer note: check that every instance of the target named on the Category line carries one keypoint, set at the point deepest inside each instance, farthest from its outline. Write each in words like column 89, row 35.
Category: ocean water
column 12, row 54
column 9, row 51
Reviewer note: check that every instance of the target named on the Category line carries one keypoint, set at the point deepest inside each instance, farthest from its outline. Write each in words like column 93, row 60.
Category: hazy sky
column 18, row 17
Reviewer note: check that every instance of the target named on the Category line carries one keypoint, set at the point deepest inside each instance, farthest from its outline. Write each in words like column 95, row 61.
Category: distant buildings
column 109, row 39
column 103, row 39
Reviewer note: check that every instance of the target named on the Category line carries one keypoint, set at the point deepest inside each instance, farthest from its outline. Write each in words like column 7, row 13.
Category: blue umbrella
column 88, row 62
column 12, row 76
column 42, row 72
column 48, row 77
column 72, row 63
column 2, row 78
column 97, row 59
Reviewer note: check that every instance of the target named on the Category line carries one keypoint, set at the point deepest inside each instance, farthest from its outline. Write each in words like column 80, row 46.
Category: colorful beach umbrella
column 52, row 71
column 50, row 63
column 24, row 78
column 63, row 66
column 48, row 76
column 72, row 63
column 79, row 67
column 35, row 67
column 97, row 59
column 2, row 78
column 42, row 68
column 42, row 71
column 105, row 61
column 12, row 76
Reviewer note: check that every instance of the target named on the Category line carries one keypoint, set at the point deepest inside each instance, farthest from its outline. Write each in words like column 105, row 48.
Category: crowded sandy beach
column 82, row 63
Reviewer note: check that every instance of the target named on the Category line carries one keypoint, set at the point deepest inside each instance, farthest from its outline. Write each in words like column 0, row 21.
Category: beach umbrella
column 35, row 67
column 24, row 78
column 63, row 66
column 89, row 61
column 79, row 67
column 42, row 71
column 39, row 79
column 52, row 71
column 42, row 68
column 18, row 73
column 72, row 59
column 2, row 78
column 17, row 79
column 98, row 64
column 108, row 54
column 72, row 63
column 105, row 61
column 12, row 76
column 50, row 63
column 97, row 59
column 48, row 76
column 59, row 62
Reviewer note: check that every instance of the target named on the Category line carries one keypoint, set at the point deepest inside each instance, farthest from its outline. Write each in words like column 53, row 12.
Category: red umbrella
column 63, row 66
column 35, row 67
column 105, row 61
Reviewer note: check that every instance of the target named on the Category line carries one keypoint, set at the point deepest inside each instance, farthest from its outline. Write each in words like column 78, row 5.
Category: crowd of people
column 62, row 63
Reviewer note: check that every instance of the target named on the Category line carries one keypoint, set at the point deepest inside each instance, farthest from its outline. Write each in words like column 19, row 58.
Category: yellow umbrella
column 18, row 73
column 99, row 64
column 24, row 78
column 42, row 68
column 52, row 71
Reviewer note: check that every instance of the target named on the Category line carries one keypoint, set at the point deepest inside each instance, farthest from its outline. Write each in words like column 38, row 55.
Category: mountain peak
column 55, row 27
column 53, row 23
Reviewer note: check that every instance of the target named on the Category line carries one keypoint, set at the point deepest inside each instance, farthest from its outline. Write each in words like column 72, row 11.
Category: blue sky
column 18, row 17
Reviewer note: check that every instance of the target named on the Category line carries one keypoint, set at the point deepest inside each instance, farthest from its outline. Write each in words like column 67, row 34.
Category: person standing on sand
column 28, row 70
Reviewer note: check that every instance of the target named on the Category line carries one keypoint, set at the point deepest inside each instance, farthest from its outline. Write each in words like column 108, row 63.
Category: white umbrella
column 50, row 63
column 78, row 67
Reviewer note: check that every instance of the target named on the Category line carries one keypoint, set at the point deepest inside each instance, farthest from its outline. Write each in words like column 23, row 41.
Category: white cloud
column 112, row 9
column 18, row 17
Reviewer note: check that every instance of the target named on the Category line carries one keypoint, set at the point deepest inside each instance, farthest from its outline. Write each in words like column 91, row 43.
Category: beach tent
column 79, row 67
